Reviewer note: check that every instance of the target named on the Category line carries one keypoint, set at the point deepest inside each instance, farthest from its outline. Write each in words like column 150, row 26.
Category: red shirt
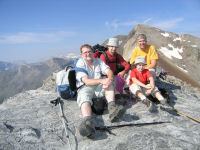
column 112, row 61
column 142, row 77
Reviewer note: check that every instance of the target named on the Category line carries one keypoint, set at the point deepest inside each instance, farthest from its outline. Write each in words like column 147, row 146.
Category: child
column 139, row 78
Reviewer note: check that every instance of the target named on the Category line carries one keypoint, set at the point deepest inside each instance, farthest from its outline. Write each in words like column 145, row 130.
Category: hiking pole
column 58, row 101
column 108, row 128
column 182, row 113
column 64, row 123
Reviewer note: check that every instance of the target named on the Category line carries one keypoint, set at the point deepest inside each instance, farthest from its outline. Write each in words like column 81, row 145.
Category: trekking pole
column 109, row 128
column 182, row 113
column 64, row 122
column 58, row 101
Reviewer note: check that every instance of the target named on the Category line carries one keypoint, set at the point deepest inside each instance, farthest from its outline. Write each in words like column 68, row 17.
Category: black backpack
column 99, row 49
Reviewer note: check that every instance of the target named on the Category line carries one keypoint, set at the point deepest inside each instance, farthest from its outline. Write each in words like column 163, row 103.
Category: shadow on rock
column 129, row 118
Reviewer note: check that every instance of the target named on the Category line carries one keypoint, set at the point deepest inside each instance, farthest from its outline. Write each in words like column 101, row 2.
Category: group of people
column 101, row 79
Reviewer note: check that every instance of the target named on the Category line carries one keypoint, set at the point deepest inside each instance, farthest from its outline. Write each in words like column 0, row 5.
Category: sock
column 143, row 97
column 111, row 102
column 160, row 98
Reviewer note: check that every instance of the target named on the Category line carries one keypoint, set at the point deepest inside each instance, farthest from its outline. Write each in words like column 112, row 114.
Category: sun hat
column 113, row 42
column 140, row 59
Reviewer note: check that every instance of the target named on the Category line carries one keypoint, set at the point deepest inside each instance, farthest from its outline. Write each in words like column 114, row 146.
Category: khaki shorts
column 134, row 88
column 86, row 93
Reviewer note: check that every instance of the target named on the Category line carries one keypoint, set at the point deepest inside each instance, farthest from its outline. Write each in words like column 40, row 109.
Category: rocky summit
column 29, row 121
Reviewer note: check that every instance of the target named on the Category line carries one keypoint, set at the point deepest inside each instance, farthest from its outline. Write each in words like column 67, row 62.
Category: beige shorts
column 134, row 88
column 86, row 93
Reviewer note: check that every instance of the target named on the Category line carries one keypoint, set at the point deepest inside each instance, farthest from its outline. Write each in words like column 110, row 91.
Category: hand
column 148, row 86
column 148, row 92
column 122, row 73
column 106, row 82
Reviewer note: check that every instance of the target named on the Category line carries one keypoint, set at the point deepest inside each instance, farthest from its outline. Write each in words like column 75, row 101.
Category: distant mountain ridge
column 7, row 66
column 29, row 76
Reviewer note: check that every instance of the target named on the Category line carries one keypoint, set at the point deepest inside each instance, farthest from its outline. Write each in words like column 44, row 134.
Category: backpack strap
column 68, row 67
column 106, row 56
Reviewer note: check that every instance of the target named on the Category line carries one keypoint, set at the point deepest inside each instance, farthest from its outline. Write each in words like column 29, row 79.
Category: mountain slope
column 181, row 52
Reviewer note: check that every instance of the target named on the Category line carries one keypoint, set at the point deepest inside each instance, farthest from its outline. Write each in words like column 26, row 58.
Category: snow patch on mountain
column 172, row 52
column 177, row 39
column 165, row 34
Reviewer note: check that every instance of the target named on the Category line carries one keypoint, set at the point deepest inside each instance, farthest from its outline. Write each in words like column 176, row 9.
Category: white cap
column 140, row 59
column 113, row 42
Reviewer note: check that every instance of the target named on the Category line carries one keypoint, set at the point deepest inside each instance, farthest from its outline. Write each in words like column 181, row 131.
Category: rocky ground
column 29, row 121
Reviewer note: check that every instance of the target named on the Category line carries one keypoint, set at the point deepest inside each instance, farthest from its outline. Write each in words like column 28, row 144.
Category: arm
column 152, row 82
column 151, row 86
column 153, row 57
column 88, row 81
column 125, row 64
column 132, row 60
column 109, row 74
column 105, row 81
column 136, row 81
column 152, row 65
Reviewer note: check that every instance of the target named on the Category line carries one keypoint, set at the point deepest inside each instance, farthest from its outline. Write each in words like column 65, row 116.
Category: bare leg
column 140, row 95
column 110, row 94
column 158, row 95
column 86, row 109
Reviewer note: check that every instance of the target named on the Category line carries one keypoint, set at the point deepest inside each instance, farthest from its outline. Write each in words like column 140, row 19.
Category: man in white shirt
column 95, row 86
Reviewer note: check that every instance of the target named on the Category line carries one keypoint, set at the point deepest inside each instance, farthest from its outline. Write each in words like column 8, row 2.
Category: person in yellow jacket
column 147, row 51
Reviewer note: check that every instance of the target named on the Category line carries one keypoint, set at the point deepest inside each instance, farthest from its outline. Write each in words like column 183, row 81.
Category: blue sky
column 34, row 30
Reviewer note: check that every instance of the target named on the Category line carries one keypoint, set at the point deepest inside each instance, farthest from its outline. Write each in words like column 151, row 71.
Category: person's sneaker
column 115, row 111
column 87, row 127
column 146, row 102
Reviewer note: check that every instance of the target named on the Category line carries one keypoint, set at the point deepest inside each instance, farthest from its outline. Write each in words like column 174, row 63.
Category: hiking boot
column 115, row 111
column 146, row 101
column 87, row 127
column 151, row 107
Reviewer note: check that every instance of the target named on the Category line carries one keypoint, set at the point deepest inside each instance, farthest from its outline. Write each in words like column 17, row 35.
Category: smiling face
column 140, row 67
column 112, row 50
column 87, row 54
column 142, row 43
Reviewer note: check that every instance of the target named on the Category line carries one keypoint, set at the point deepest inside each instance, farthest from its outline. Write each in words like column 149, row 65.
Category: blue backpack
column 66, row 81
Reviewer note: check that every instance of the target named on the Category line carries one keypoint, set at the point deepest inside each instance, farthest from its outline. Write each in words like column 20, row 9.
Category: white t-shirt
column 95, row 73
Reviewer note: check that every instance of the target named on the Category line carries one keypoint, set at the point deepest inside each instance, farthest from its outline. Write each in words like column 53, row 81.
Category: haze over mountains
column 15, row 79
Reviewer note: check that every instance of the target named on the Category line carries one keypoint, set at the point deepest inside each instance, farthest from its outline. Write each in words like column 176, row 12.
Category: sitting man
column 142, row 83
column 113, row 60
column 94, row 86
column 147, row 51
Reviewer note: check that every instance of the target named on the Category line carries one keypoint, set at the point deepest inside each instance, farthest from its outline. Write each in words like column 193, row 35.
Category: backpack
column 99, row 49
column 66, row 81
